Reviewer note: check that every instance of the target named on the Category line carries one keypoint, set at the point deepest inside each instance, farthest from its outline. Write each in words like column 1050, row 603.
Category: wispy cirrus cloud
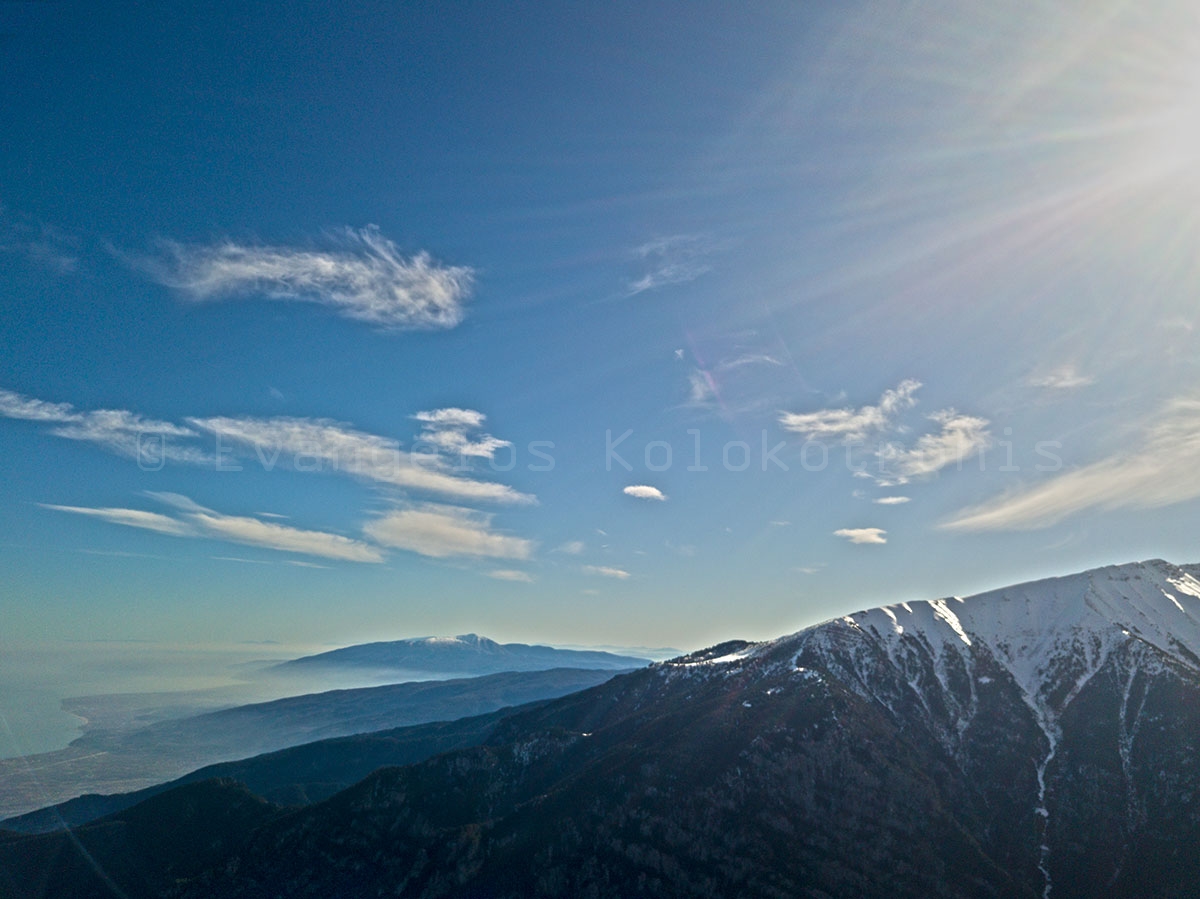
column 364, row 276
column 306, row 445
column 133, row 518
column 849, row 424
column 44, row 244
column 702, row 388
column 1162, row 470
column 671, row 260
column 619, row 574
column 862, row 535
column 451, row 431
column 891, row 500
column 118, row 430
column 442, row 531
column 960, row 438
column 14, row 405
column 320, row 444
column 270, row 535
column 511, row 574
column 337, row 447
column 1064, row 377
column 194, row 520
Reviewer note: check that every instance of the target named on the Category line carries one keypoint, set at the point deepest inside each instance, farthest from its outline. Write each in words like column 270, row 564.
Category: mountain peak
column 461, row 654
column 1154, row 601
column 1050, row 635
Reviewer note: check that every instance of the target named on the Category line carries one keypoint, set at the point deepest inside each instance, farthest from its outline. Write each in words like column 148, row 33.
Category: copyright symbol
column 151, row 451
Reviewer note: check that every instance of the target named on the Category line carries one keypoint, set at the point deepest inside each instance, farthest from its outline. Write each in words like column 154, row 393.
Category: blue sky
column 320, row 325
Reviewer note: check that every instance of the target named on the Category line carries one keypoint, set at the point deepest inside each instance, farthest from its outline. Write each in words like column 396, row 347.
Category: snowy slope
column 1043, row 631
column 942, row 661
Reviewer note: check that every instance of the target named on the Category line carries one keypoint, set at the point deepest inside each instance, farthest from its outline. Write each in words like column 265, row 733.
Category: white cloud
column 510, row 574
column 134, row 518
column 440, row 531
column 14, row 405
column 644, row 491
column 852, row 425
column 118, row 430
column 891, row 500
column 1065, row 377
column 269, row 535
column 195, row 520
column 364, row 278
column 298, row 563
column 701, row 388
column 862, row 535
column 448, row 430
column 605, row 571
column 297, row 443
column 960, row 438
column 1163, row 470
column 671, row 260
column 332, row 446
column 571, row 547
column 453, row 417
column 303, row 443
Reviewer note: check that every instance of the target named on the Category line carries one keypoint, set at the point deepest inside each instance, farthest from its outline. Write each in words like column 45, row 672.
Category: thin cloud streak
column 510, row 574
column 442, row 531
column 269, row 535
column 195, row 520
column 606, row 571
column 133, row 518
column 365, row 278
column 862, row 535
column 1162, row 471
column 117, row 430
column 1065, row 377
column 334, row 446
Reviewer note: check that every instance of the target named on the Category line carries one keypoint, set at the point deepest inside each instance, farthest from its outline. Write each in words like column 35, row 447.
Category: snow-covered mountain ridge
column 1026, row 627
column 1050, row 636
column 1032, row 628
column 1073, row 664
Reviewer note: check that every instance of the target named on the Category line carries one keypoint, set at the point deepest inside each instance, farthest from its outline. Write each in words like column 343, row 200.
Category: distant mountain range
column 464, row 654
column 122, row 761
column 1037, row 741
